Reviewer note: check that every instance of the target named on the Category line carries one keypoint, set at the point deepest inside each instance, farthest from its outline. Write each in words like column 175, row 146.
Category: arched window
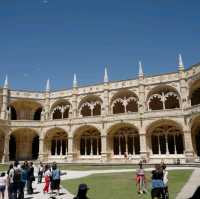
column 37, row 115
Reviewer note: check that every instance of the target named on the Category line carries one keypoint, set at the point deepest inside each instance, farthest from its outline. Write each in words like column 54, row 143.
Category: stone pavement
column 185, row 193
column 191, row 186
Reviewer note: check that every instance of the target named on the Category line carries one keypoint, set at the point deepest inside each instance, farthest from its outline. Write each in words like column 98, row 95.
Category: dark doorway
column 12, row 148
column 35, row 148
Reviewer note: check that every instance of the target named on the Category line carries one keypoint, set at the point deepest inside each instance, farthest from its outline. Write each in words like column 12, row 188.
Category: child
column 140, row 180
column 47, row 175
column 3, row 181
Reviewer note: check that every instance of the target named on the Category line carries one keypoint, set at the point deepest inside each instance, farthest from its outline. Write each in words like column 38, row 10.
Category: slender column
column 85, row 146
column 91, row 146
column 97, row 146
column 133, row 146
column 126, row 140
column 61, row 149
column 166, row 143
column 56, row 153
column 175, row 150
column 120, row 146
column 163, row 100
column 159, row 147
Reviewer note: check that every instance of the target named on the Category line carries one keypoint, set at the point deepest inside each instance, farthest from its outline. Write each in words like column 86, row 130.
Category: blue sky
column 42, row 39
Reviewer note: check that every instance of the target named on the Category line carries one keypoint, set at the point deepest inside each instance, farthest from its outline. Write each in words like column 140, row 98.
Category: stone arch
column 56, row 143
column 87, row 141
column 123, row 139
column 165, row 137
column 195, row 133
column 24, row 144
column 90, row 106
column 124, row 101
column 194, row 93
column 163, row 97
column 24, row 109
column 60, row 109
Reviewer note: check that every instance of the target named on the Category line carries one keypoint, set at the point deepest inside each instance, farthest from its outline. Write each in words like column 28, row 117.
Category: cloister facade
column 150, row 118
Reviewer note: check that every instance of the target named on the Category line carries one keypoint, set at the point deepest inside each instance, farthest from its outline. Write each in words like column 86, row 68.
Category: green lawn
column 122, row 185
column 4, row 167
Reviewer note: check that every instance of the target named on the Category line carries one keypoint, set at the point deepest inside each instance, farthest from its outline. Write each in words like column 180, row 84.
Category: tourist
column 157, row 183
column 30, row 178
column 14, row 180
column 40, row 172
column 165, row 181
column 47, row 178
column 140, row 180
column 82, row 192
column 3, row 182
column 9, row 181
column 55, row 183
column 23, row 180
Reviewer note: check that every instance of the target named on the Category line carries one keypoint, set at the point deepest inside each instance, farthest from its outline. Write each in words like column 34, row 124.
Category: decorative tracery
column 90, row 108
column 124, row 105
column 60, row 111
column 163, row 100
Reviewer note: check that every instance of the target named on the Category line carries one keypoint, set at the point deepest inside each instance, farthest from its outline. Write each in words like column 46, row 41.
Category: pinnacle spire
column 6, row 82
column 105, row 75
column 141, row 74
column 180, row 62
column 48, row 85
column 75, row 83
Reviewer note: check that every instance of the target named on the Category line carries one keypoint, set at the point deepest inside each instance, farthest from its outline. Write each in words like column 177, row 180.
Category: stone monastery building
column 152, row 117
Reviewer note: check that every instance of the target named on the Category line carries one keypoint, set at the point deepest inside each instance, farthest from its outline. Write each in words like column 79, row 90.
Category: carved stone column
column 70, row 149
column 189, row 153
column 143, row 145
column 103, row 147
column 5, row 157
column 41, row 149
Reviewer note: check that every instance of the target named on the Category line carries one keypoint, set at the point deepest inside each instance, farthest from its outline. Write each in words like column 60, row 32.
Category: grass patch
column 4, row 167
column 122, row 185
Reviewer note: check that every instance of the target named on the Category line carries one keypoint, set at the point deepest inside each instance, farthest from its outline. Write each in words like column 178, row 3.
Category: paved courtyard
column 186, row 192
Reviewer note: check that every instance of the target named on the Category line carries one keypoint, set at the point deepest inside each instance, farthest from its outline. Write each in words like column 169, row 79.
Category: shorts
column 157, row 193
column 55, row 184
column 2, row 188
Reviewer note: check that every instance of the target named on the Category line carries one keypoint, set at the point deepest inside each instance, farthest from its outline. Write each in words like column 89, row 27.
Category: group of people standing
column 159, row 181
column 51, row 176
column 20, row 176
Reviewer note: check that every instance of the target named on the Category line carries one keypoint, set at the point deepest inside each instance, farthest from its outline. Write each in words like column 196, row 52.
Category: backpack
column 17, row 175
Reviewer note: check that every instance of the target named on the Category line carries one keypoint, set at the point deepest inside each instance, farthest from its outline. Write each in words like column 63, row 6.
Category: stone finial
column 48, row 85
column 6, row 82
column 141, row 74
column 75, row 83
column 180, row 62
column 105, row 75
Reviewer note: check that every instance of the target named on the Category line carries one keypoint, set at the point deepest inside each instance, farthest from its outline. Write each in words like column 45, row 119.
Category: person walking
column 140, row 180
column 157, row 191
column 165, row 181
column 23, row 180
column 47, row 176
column 40, row 172
column 82, row 192
column 55, row 183
column 30, row 178
column 9, row 181
column 3, row 182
